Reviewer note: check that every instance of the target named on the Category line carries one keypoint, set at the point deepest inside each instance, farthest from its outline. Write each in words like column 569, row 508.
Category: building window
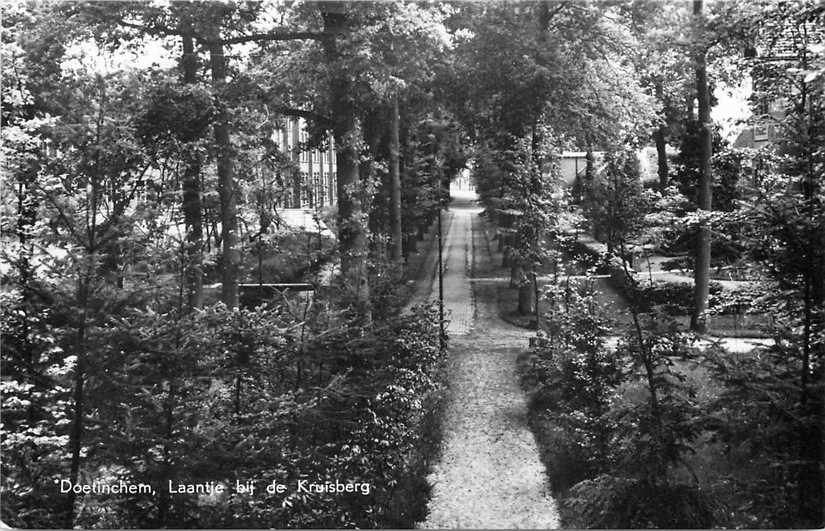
column 778, row 106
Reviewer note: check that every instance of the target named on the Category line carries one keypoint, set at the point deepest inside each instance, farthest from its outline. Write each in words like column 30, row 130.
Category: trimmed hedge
column 675, row 298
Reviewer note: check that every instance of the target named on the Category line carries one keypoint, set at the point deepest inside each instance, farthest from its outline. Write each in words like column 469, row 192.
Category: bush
column 380, row 414
column 674, row 298
column 774, row 439
column 614, row 426
column 271, row 393
column 627, row 503
column 365, row 412
column 682, row 263
column 570, row 376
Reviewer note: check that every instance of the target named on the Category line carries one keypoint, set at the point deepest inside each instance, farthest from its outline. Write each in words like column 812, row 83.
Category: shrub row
column 674, row 298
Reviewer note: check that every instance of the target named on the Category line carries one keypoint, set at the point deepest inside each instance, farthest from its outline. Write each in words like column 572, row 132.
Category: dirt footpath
column 489, row 474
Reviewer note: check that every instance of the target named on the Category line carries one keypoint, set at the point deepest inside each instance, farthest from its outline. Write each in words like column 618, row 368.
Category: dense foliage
column 139, row 196
column 257, row 395
column 135, row 196
column 721, row 437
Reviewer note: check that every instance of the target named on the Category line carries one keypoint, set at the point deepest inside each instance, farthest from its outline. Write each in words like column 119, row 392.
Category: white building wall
column 313, row 182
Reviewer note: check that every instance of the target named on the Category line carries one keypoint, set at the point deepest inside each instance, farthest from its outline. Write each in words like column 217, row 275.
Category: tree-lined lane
column 489, row 474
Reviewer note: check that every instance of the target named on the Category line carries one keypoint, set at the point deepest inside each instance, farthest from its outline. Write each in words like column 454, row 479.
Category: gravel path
column 489, row 474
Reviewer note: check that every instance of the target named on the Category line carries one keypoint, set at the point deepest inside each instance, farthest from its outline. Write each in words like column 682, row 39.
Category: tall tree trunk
column 352, row 237
column 373, row 132
column 811, row 482
column 527, row 301
column 192, row 211
column 27, row 216
column 701, row 270
column 89, row 272
column 76, row 433
column 659, row 138
column 661, row 156
column 230, row 256
column 396, row 249
column 544, row 20
column 526, row 295
column 590, row 165
column 165, row 498
column 587, row 185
